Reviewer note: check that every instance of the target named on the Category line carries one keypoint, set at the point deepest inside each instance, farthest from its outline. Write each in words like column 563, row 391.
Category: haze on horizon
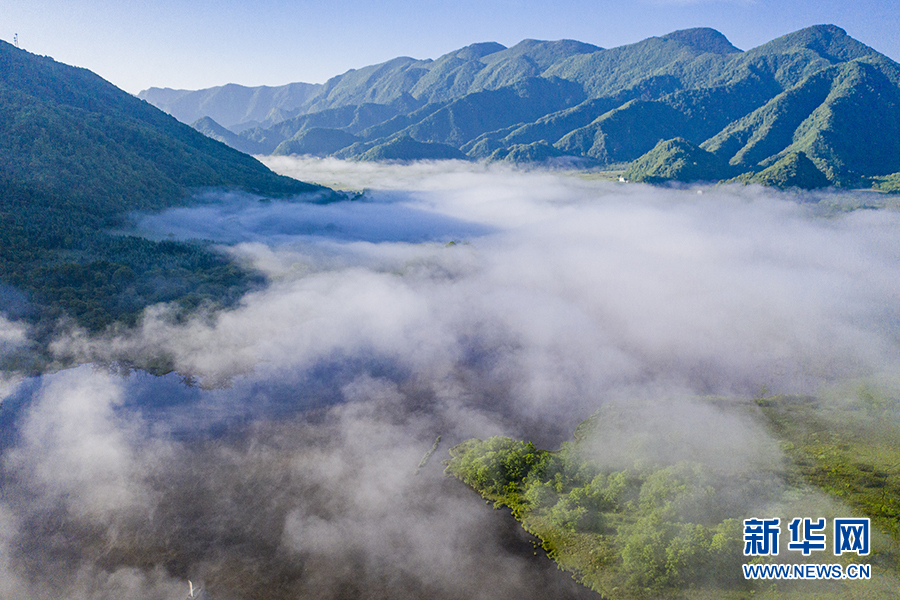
column 199, row 45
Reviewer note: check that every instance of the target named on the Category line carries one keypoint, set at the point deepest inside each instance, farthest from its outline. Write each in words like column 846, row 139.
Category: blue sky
column 195, row 44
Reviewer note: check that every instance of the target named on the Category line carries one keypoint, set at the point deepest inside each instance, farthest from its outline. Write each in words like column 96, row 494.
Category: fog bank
column 453, row 300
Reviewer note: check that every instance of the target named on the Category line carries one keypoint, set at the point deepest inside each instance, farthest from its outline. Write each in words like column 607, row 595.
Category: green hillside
column 853, row 133
column 79, row 154
column 794, row 170
column 413, row 83
column 535, row 152
column 466, row 118
column 677, row 160
column 210, row 128
column 317, row 141
column 677, row 55
column 816, row 91
column 238, row 107
column 624, row 133
column 351, row 118
column 54, row 116
column 404, row 148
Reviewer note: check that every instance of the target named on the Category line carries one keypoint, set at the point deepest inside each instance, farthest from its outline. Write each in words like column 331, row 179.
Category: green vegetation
column 404, row 148
column 849, row 448
column 626, row 533
column 80, row 155
column 816, row 91
column 411, row 84
column 526, row 153
column 677, row 160
column 466, row 118
column 624, row 133
column 889, row 183
column 794, row 170
column 843, row 118
column 674, row 529
column 233, row 104
column 62, row 257
column 67, row 132
column 210, row 128
column 317, row 141
column 605, row 72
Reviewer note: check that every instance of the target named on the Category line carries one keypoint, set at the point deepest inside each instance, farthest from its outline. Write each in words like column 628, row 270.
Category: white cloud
column 580, row 286
column 565, row 294
column 76, row 450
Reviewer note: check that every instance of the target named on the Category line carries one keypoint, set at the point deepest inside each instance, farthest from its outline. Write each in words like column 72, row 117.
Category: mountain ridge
column 80, row 155
column 255, row 104
column 797, row 93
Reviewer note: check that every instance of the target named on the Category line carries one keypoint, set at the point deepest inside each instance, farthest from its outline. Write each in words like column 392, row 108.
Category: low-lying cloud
column 572, row 282
column 375, row 335
column 377, row 217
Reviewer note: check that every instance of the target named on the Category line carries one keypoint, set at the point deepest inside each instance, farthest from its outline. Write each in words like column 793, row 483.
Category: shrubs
column 656, row 529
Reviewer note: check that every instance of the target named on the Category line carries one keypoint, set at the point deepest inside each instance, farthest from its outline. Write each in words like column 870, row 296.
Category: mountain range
column 814, row 108
column 235, row 106
column 816, row 93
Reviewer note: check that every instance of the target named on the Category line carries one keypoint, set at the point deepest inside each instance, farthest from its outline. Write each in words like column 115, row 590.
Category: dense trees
column 670, row 528
column 816, row 93
column 658, row 528
column 78, row 156
column 68, row 265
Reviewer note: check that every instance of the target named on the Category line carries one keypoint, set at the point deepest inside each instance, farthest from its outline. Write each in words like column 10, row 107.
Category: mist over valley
column 279, row 458
column 481, row 328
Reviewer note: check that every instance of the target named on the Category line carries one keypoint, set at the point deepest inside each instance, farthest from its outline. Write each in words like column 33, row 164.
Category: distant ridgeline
column 810, row 109
column 78, row 155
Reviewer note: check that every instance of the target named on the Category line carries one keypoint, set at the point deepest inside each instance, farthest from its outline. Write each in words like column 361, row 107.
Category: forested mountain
column 78, row 155
column 235, row 106
column 815, row 92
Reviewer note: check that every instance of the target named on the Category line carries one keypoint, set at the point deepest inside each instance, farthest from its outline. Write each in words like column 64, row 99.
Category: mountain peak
column 479, row 50
column 570, row 46
column 828, row 41
column 704, row 39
